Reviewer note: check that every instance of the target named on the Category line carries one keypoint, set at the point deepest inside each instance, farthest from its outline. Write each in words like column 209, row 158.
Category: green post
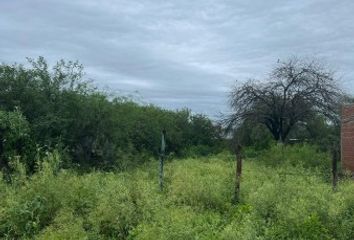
column 162, row 158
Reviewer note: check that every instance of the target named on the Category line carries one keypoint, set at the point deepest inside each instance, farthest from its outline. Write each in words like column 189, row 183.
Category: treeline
column 316, row 131
column 43, row 108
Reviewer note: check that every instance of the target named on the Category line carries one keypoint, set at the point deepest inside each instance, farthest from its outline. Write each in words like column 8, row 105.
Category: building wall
column 347, row 137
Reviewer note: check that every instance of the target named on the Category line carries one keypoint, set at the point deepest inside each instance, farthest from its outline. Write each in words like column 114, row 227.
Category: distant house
column 347, row 137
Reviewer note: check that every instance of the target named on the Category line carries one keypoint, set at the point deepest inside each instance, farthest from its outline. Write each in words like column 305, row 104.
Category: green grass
column 279, row 200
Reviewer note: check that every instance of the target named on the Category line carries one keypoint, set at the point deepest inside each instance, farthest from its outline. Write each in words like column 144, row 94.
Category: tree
column 295, row 91
column 65, row 112
column 15, row 138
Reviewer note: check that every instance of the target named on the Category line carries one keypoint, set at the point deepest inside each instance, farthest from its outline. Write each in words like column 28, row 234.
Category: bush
column 179, row 223
column 65, row 226
column 116, row 212
column 192, row 183
column 95, row 130
column 278, row 201
column 200, row 151
column 15, row 139
column 300, row 155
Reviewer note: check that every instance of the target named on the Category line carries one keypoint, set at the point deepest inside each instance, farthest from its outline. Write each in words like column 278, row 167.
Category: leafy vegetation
column 288, row 199
column 43, row 108
column 77, row 163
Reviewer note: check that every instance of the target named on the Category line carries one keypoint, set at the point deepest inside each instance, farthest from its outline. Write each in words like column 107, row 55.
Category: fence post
column 238, row 153
column 162, row 158
column 334, row 167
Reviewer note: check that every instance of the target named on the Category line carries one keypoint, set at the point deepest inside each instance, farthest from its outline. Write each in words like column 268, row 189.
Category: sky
column 180, row 53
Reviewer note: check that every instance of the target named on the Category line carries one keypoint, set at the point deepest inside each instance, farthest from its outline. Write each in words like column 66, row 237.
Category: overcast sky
column 181, row 53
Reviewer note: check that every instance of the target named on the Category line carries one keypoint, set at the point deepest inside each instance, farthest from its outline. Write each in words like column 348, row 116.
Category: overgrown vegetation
column 280, row 200
column 77, row 163
column 43, row 109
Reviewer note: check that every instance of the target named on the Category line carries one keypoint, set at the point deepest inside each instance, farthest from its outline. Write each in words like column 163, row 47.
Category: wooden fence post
column 162, row 158
column 334, row 167
column 238, row 153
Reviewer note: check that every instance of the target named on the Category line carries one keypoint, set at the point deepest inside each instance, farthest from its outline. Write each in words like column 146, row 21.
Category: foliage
column 279, row 200
column 15, row 138
column 58, row 108
column 255, row 135
column 317, row 131
column 304, row 155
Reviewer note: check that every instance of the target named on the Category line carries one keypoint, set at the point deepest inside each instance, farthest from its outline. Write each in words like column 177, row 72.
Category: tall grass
column 278, row 201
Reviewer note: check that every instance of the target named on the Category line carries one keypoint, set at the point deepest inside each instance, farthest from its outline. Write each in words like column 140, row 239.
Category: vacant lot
column 280, row 200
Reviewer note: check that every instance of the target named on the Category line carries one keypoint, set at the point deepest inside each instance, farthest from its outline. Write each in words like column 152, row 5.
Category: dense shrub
column 193, row 183
column 278, row 201
column 298, row 155
column 15, row 138
column 60, row 109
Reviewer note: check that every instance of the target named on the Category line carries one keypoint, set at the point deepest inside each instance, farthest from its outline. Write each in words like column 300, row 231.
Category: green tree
column 64, row 110
column 15, row 139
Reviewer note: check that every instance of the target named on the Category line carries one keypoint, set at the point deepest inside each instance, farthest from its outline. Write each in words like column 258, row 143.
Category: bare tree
column 295, row 91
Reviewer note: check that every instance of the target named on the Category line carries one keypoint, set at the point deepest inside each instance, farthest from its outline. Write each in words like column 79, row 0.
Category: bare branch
column 294, row 91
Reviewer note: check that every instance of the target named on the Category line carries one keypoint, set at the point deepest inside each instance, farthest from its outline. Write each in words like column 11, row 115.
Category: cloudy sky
column 181, row 53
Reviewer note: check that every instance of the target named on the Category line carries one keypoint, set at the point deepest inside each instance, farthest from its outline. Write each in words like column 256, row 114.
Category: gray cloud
column 179, row 53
